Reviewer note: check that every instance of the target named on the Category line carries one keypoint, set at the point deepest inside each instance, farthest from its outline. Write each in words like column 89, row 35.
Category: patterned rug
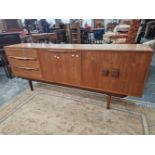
column 56, row 110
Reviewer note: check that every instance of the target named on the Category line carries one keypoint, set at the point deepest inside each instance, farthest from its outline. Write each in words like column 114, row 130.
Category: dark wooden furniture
column 73, row 33
column 114, row 69
column 7, row 39
column 10, row 25
column 98, row 22
column 61, row 35
column 49, row 37
column 111, row 26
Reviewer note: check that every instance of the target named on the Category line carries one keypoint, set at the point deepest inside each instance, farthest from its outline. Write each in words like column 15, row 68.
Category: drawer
column 23, row 63
column 28, row 72
column 60, row 50
column 22, row 53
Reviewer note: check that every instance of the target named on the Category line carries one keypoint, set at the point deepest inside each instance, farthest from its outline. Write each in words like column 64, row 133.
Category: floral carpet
column 56, row 110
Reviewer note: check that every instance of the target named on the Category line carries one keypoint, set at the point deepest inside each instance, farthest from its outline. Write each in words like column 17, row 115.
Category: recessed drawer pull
column 115, row 73
column 59, row 51
column 105, row 72
column 22, row 58
column 27, row 68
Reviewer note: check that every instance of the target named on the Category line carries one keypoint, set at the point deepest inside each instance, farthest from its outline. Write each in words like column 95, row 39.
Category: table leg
column 108, row 101
column 31, row 85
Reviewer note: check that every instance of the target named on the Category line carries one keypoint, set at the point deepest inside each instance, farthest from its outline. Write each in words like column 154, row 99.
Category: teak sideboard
column 115, row 69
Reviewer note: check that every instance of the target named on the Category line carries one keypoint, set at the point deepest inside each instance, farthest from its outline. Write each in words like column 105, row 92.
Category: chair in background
column 98, row 35
column 150, row 30
column 111, row 26
column 121, row 28
column 73, row 33
column 130, row 37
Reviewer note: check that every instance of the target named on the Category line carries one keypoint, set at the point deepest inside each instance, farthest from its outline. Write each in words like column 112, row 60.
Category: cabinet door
column 61, row 67
column 47, row 64
column 116, row 72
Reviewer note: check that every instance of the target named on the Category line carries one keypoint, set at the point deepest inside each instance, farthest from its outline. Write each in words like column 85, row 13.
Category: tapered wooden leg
column 108, row 101
column 31, row 85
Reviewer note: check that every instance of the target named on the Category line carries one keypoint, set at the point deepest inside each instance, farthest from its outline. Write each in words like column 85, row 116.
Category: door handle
column 105, row 72
column 115, row 73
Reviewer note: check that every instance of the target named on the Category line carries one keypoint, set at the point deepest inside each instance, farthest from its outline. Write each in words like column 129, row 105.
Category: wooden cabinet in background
column 116, row 69
column 10, row 25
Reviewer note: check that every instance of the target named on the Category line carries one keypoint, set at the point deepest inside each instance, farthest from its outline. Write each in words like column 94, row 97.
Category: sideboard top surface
column 103, row 47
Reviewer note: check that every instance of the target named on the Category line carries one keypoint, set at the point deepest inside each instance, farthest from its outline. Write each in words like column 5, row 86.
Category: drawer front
column 27, row 72
column 23, row 63
column 22, row 53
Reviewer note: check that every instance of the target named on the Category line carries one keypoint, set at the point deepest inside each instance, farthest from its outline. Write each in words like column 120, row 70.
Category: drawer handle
column 22, row 58
column 115, row 73
column 59, row 51
column 27, row 68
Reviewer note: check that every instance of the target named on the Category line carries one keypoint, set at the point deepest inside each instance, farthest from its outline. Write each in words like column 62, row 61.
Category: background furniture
column 125, row 21
column 10, row 25
column 150, row 30
column 111, row 26
column 97, row 22
column 3, row 63
column 44, row 37
column 7, row 39
column 130, row 37
column 121, row 28
column 61, row 35
column 98, row 34
column 118, row 70
column 73, row 33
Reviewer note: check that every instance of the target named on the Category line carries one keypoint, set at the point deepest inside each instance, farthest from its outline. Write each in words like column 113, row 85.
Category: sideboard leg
column 108, row 101
column 31, row 85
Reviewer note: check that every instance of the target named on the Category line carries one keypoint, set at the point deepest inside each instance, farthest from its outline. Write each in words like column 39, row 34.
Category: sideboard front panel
column 121, row 72
column 61, row 67
column 24, row 62
column 99, row 68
